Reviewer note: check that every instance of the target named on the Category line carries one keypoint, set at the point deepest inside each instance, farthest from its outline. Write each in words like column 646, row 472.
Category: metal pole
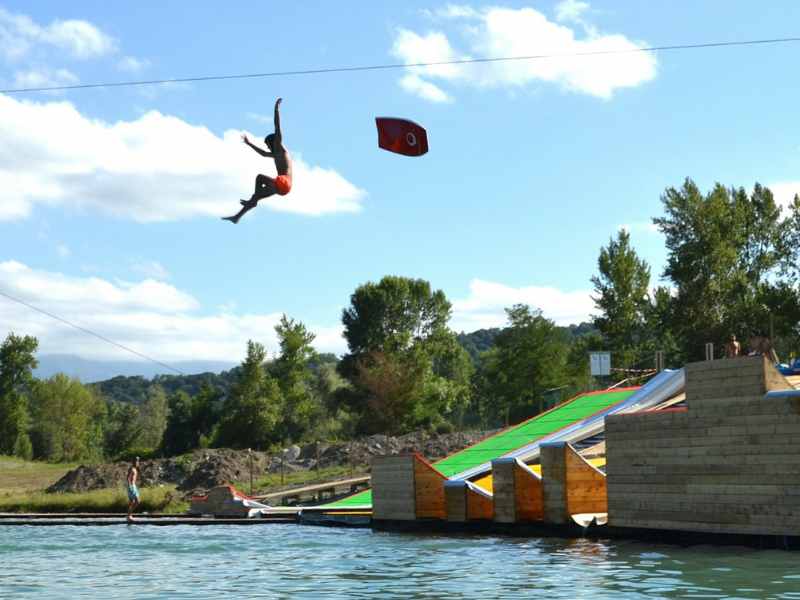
column 283, row 454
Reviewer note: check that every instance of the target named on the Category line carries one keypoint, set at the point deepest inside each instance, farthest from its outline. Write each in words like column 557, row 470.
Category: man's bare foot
column 234, row 219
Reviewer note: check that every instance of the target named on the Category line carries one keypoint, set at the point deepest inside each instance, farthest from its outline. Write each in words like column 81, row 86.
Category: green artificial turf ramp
column 512, row 438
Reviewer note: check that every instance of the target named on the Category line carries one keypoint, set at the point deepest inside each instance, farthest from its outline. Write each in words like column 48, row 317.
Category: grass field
column 22, row 485
column 17, row 475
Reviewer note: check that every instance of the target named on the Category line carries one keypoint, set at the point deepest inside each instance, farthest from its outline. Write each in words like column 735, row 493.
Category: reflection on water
column 284, row 561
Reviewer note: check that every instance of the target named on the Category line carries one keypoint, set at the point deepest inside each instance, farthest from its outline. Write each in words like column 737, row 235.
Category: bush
column 23, row 447
column 444, row 427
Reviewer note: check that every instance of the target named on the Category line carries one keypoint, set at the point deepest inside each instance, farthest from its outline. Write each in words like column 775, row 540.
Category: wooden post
column 283, row 457
column 709, row 351
column 250, row 456
column 659, row 361
column 316, row 448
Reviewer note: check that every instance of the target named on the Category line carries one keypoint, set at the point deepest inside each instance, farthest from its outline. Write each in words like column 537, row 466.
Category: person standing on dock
column 733, row 348
column 133, row 491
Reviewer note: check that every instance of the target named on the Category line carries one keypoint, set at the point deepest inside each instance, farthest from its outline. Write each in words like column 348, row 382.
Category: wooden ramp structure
column 729, row 463
column 518, row 492
column 572, row 486
column 467, row 501
column 406, row 487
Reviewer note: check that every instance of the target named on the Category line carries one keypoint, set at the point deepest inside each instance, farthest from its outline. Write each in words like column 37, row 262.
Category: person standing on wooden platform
column 133, row 492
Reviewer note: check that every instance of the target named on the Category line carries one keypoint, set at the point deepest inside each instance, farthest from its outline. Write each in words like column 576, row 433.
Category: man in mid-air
column 267, row 186
column 133, row 491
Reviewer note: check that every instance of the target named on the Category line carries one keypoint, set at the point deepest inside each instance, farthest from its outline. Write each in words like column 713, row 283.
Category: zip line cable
column 465, row 61
column 90, row 332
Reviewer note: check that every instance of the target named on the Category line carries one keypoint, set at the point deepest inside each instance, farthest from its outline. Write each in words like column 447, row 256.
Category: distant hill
column 89, row 371
column 483, row 339
column 134, row 389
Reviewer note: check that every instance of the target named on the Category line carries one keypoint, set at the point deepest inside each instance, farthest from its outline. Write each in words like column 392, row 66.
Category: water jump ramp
column 579, row 418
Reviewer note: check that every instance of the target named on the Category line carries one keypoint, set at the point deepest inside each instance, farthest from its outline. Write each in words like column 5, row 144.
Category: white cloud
column 63, row 250
column 132, row 64
column 148, row 316
column 571, row 10
column 504, row 32
column 424, row 89
column 38, row 78
column 457, row 11
column 19, row 34
column 79, row 38
column 155, row 168
column 485, row 305
column 151, row 269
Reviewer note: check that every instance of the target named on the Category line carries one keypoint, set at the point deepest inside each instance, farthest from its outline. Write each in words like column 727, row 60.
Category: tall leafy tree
column 529, row 357
column 123, row 429
column 621, row 295
column 17, row 362
column 180, row 435
column 68, row 420
column 153, row 416
column 403, row 359
column 392, row 314
column 253, row 407
column 725, row 249
column 293, row 374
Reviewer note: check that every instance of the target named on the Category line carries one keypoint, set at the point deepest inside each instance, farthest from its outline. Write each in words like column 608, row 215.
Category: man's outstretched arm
column 278, row 119
column 256, row 148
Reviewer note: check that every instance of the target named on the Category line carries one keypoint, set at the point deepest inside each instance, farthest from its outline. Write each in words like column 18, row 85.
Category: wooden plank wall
column 586, row 485
column 480, row 504
column 393, row 494
column 429, row 490
column 730, row 464
column 529, row 494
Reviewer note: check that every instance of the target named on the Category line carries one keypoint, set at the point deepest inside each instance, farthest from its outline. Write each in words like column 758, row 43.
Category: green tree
column 393, row 385
column 67, row 420
column 180, row 435
column 252, row 409
column 17, row 362
column 621, row 295
column 725, row 252
column 393, row 314
column 293, row 374
column 529, row 357
column 123, row 429
column 153, row 416
column 403, row 359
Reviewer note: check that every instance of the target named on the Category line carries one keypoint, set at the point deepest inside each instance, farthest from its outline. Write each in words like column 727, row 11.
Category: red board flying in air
column 401, row 136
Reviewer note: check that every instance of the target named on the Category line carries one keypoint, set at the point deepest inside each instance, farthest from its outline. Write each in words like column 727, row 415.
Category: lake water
column 288, row 561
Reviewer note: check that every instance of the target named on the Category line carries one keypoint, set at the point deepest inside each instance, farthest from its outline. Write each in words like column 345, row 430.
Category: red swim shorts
column 283, row 183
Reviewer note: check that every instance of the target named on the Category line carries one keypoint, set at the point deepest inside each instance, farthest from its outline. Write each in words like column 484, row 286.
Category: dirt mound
column 205, row 469
column 221, row 467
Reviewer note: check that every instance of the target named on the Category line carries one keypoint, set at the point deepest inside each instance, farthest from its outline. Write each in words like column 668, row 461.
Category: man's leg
column 265, row 187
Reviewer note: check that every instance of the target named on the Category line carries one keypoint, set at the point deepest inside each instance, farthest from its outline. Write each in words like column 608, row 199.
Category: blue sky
column 111, row 197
